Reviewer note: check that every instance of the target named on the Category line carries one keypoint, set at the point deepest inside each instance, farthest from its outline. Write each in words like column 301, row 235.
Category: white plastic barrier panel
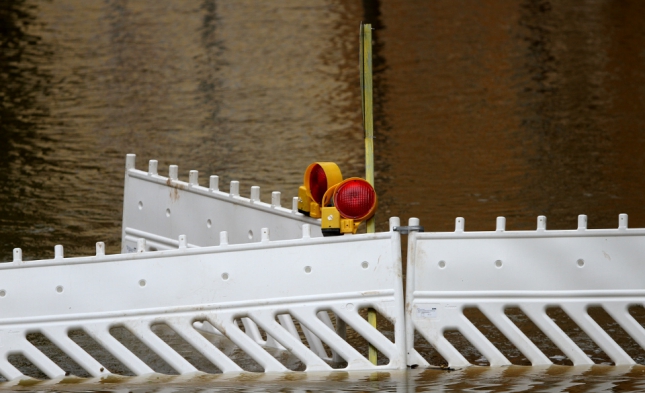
column 533, row 271
column 299, row 296
column 159, row 209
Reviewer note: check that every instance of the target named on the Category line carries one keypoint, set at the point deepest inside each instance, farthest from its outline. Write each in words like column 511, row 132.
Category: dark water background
column 483, row 108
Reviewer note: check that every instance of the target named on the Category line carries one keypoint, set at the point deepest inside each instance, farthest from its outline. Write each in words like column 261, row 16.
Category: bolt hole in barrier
column 526, row 297
column 111, row 317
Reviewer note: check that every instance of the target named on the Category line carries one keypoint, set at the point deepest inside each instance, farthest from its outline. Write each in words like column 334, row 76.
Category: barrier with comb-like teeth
column 530, row 270
column 251, row 303
column 159, row 209
column 290, row 290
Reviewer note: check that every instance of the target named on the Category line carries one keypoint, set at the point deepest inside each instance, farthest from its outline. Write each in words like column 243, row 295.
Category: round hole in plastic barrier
column 3, row 293
column 59, row 289
column 498, row 263
column 307, row 269
column 442, row 264
column 209, row 223
column 167, row 212
column 250, row 234
column 224, row 276
column 365, row 264
column 580, row 262
column 140, row 205
column 142, row 283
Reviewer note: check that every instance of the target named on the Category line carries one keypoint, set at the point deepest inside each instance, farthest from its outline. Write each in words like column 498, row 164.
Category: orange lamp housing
column 350, row 202
column 319, row 177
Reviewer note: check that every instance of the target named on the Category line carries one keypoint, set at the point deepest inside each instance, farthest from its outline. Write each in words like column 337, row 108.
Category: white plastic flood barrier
column 277, row 285
column 532, row 270
column 159, row 209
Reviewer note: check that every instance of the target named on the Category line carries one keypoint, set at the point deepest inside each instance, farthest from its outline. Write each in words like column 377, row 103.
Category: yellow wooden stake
column 368, row 113
column 365, row 59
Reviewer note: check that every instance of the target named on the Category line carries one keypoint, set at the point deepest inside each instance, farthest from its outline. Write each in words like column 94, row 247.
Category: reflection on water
column 515, row 378
column 24, row 87
column 504, row 108
column 514, row 110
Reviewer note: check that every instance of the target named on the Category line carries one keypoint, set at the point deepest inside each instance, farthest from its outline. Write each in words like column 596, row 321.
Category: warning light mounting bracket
column 407, row 229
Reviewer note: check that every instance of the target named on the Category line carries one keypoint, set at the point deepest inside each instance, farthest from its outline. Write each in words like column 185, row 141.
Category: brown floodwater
column 483, row 109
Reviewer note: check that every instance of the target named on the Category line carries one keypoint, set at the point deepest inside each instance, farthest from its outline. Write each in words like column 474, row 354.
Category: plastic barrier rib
column 536, row 272
column 159, row 209
column 291, row 290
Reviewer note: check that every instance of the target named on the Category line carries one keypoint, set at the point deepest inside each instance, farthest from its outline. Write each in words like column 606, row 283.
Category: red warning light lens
column 317, row 183
column 355, row 199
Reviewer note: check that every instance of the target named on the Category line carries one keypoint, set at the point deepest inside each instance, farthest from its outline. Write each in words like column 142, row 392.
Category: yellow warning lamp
column 351, row 202
column 319, row 177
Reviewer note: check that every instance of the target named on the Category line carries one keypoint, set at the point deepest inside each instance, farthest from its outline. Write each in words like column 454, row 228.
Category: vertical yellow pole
column 365, row 59
column 368, row 113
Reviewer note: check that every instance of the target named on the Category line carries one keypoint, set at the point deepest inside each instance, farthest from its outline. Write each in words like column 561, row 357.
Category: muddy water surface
column 511, row 108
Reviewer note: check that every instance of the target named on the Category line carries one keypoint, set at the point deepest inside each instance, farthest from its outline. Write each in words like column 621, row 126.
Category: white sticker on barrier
column 533, row 273
column 424, row 311
column 159, row 209
column 286, row 296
